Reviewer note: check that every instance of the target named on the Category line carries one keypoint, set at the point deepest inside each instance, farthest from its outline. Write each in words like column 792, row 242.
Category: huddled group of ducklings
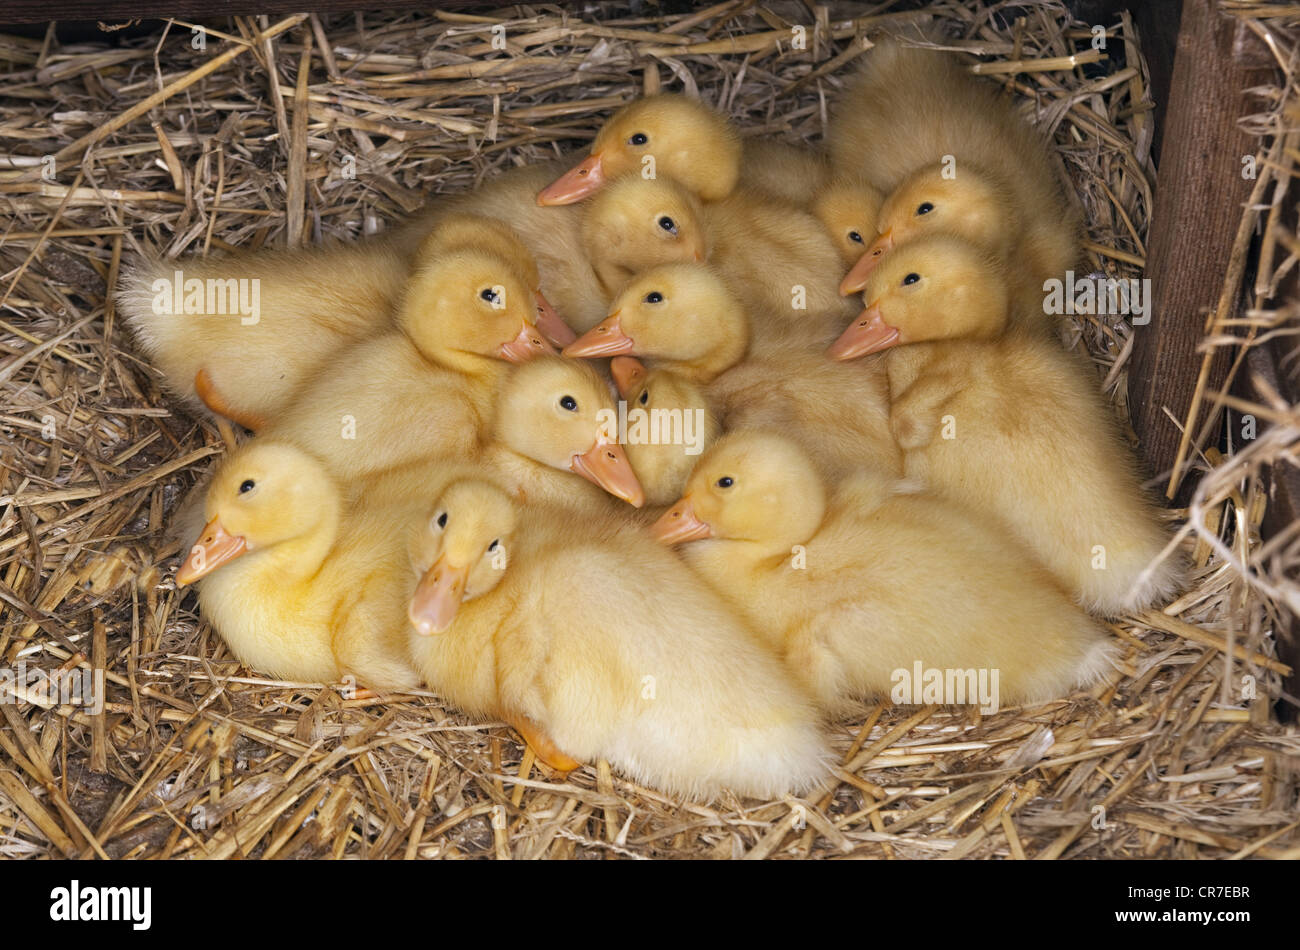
column 435, row 494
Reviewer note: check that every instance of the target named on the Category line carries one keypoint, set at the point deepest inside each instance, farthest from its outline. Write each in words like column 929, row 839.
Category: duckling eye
column 645, row 397
column 640, row 138
column 925, row 208
column 668, row 224
column 488, row 294
column 654, row 297
column 726, row 481
column 569, row 403
column 856, row 237
column 247, row 486
column 442, row 520
column 911, row 279
column 493, row 546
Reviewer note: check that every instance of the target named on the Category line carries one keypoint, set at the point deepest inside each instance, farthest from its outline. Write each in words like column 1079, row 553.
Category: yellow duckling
column 953, row 155
column 669, row 424
column 461, row 230
column 555, row 419
column 791, row 173
column 665, row 134
column 1008, row 424
column 876, row 579
column 636, row 223
column 239, row 334
column 426, row 389
column 684, row 318
column 296, row 585
column 849, row 209
column 594, row 644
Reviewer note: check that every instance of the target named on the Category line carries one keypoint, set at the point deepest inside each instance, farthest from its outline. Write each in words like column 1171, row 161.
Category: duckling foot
column 543, row 747
column 212, row 398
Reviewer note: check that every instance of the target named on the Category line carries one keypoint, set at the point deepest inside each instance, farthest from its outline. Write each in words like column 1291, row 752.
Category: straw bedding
column 159, row 144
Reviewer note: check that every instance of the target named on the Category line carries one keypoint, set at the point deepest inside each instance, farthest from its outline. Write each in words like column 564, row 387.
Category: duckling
column 637, row 223
column 594, row 644
column 1008, row 424
column 670, row 423
column 849, row 209
column 463, row 316
column 972, row 165
column 252, row 327
column 665, row 134
column 555, row 419
column 875, row 578
column 461, row 230
column 682, row 315
column 296, row 585
column 685, row 319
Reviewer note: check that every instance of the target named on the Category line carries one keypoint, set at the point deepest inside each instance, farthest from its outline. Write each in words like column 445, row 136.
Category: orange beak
column 525, row 346
column 214, row 548
column 549, row 322
column 604, row 339
column 606, row 464
column 437, row 597
column 628, row 374
column 855, row 281
column 575, row 184
column 867, row 334
column 679, row 524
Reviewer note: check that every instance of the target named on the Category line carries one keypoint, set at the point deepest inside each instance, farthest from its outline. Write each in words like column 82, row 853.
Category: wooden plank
column 1199, row 199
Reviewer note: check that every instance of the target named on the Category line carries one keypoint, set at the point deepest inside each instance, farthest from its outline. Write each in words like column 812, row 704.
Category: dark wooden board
column 120, row 11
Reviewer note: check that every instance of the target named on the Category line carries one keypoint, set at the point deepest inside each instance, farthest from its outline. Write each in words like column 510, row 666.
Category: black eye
column 645, row 397
column 442, row 520
column 925, row 208
column 654, row 297
column 569, row 403
column 639, row 138
column 488, row 294
column 493, row 545
column 668, row 224
column 726, row 481
column 856, row 238
column 911, row 279
column 247, row 486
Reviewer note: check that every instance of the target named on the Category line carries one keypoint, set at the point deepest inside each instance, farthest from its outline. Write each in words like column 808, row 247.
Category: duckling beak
column 606, row 464
column 867, row 334
column 679, row 524
column 575, row 184
column 628, row 374
column 855, row 281
column 553, row 328
column 525, row 346
column 604, row 339
column 215, row 547
column 437, row 597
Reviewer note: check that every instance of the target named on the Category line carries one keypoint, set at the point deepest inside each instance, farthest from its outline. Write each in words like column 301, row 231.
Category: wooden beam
column 1200, row 197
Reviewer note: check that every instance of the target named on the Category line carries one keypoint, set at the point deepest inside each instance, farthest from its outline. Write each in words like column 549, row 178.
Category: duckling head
column 937, row 287
column 669, row 425
column 849, row 209
column 636, row 223
column 659, row 135
column 966, row 203
column 752, row 486
column 263, row 495
column 460, row 551
column 469, row 306
column 681, row 314
column 561, row 413
column 462, row 230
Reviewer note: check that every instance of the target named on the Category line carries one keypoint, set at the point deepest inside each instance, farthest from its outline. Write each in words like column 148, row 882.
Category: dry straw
column 156, row 143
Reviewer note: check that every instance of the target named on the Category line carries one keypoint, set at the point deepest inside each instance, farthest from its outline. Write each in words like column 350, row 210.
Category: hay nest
column 307, row 128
